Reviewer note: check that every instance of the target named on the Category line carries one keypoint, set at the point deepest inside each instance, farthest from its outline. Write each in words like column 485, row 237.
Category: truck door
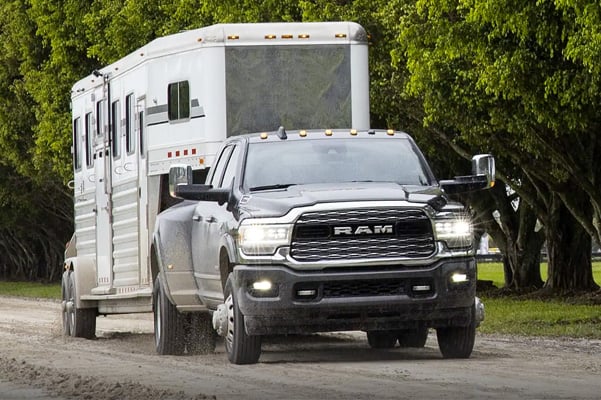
column 103, row 210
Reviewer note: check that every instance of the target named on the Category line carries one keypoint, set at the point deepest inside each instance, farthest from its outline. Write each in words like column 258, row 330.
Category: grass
column 514, row 315
column 494, row 272
column 31, row 289
column 538, row 316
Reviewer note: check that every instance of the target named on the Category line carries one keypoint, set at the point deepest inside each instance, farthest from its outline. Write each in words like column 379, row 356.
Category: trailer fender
column 84, row 270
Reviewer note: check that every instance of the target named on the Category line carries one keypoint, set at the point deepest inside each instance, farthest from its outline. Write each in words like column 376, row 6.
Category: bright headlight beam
column 458, row 277
column 262, row 286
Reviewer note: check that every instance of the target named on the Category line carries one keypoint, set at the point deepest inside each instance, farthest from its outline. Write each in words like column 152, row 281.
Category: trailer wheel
column 240, row 347
column 413, row 338
column 169, row 333
column 78, row 322
column 457, row 341
column 201, row 337
column 65, row 296
column 381, row 339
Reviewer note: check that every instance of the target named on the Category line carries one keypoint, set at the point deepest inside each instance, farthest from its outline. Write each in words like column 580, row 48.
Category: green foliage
column 30, row 289
column 541, row 318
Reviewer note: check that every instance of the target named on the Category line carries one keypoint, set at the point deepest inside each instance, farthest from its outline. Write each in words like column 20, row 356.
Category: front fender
column 171, row 242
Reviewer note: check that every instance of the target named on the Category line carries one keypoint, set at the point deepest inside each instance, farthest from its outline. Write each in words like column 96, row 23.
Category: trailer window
column 141, row 131
column 100, row 118
column 298, row 87
column 116, row 124
column 89, row 140
column 77, row 144
column 178, row 99
column 130, row 116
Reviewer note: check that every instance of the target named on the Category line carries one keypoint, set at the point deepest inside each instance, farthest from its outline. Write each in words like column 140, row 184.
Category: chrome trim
column 282, row 254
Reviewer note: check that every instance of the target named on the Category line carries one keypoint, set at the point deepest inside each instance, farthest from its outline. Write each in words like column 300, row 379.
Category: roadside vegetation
column 31, row 289
column 538, row 313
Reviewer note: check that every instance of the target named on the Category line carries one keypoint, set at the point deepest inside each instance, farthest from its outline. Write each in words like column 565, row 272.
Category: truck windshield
column 272, row 165
column 299, row 87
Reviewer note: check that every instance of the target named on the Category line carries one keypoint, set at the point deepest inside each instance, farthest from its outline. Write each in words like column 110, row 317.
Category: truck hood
column 278, row 202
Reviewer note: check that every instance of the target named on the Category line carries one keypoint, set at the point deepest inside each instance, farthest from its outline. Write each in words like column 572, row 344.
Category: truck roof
column 282, row 134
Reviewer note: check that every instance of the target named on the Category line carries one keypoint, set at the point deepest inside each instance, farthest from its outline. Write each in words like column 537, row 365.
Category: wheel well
column 225, row 266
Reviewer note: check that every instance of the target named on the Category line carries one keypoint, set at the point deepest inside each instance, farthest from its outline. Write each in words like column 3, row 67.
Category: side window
column 100, row 118
column 89, row 140
column 141, row 131
column 130, row 117
column 220, row 166
column 77, row 144
column 231, row 170
column 116, row 133
column 178, row 100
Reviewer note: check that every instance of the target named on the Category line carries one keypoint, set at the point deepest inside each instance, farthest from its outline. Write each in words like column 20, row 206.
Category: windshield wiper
column 271, row 187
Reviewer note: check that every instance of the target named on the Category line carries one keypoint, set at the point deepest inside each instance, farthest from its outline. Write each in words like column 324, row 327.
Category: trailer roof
column 283, row 33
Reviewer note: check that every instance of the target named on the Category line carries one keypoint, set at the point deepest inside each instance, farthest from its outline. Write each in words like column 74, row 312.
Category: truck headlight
column 456, row 232
column 257, row 239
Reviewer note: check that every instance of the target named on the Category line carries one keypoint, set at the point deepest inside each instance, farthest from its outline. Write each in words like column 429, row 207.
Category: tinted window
column 116, row 124
column 100, row 118
column 178, row 100
column 130, row 116
column 141, row 131
column 77, row 144
column 231, row 170
column 89, row 140
column 215, row 179
column 333, row 161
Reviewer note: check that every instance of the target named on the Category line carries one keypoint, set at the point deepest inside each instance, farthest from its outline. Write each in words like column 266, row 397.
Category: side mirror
column 483, row 176
column 179, row 174
column 484, row 164
column 181, row 187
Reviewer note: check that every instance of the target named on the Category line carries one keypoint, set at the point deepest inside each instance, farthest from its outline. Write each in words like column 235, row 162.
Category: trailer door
column 143, row 192
column 102, row 168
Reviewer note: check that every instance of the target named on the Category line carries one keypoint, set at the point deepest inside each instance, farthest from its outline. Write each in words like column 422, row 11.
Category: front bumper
column 372, row 298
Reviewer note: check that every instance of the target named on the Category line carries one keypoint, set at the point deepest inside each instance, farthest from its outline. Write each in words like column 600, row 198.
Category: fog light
column 459, row 277
column 421, row 288
column 306, row 293
column 262, row 286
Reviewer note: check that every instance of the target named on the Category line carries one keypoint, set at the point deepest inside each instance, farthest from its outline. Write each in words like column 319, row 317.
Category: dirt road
column 37, row 362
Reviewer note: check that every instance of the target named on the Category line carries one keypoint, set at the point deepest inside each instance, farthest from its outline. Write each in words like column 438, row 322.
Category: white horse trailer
column 174, row 101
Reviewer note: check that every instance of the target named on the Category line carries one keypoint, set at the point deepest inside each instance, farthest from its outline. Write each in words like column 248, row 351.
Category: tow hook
column 479, row 306
column 220, row 320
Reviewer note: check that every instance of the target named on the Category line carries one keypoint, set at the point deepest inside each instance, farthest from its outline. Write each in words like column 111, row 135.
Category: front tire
column 457, row 341
column 240, row 347
column 169, row 333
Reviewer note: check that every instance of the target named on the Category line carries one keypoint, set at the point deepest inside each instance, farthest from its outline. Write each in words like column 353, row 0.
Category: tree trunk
column 514, row 233
column 569, row 250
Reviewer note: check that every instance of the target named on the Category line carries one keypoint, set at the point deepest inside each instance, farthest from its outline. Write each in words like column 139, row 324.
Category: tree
column 495, row 71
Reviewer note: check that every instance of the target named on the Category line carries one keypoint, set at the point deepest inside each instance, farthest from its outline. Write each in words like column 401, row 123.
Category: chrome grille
column 314, row 239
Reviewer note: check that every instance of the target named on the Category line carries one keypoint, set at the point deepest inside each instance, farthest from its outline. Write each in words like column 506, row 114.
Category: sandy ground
column 37, row 362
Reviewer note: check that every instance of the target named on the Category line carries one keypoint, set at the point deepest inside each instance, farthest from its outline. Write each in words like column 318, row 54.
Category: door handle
column 197, row 218
column 211, row 219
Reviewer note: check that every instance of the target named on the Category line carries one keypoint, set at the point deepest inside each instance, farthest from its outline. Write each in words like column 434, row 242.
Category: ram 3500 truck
column 312, row 231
